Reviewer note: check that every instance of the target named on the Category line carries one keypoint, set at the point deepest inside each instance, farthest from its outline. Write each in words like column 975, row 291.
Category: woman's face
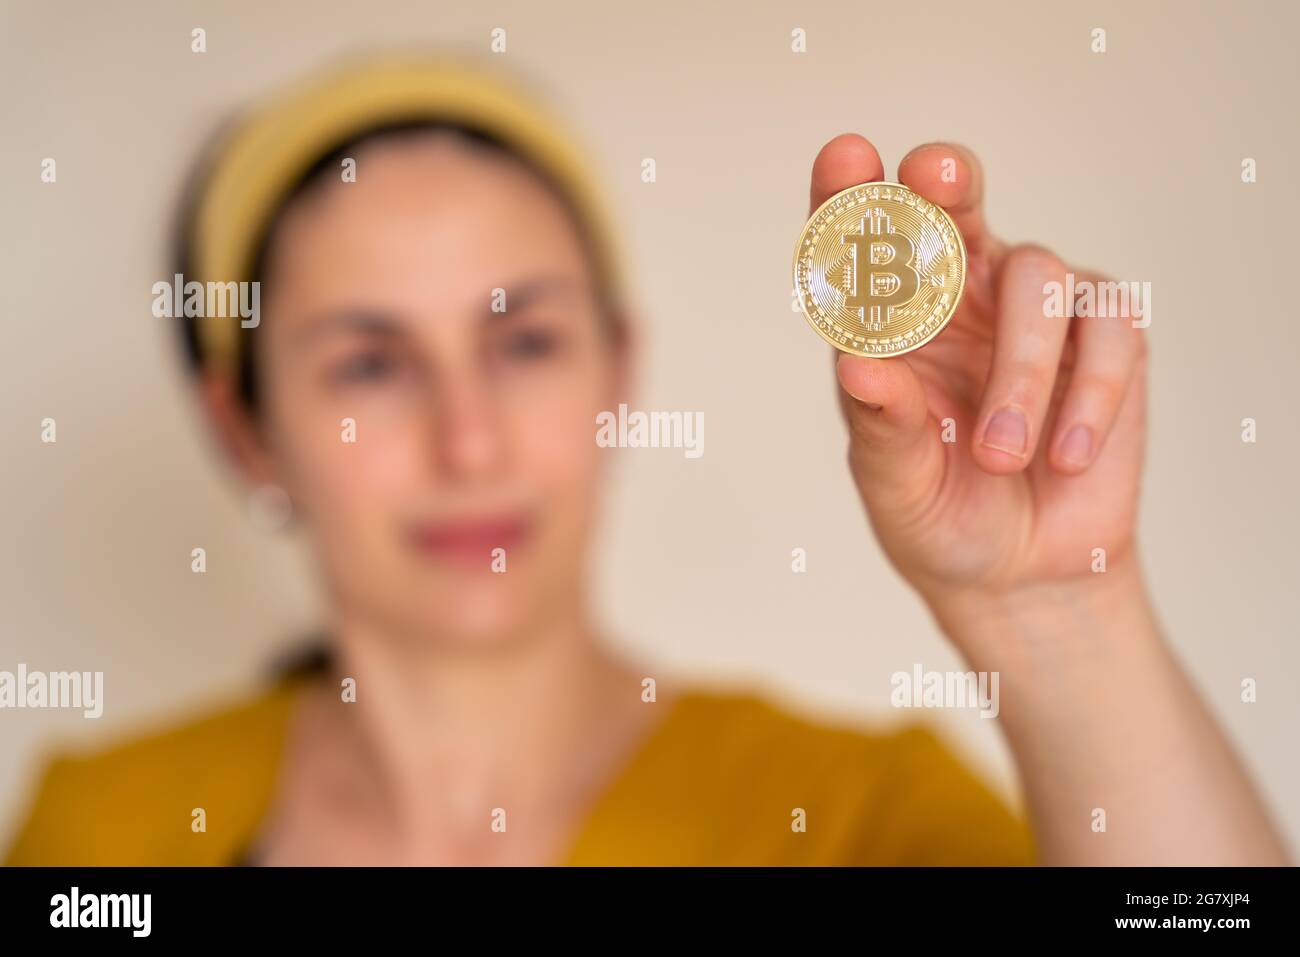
column 440, row 310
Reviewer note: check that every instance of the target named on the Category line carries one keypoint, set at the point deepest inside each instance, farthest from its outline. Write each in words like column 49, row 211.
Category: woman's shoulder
column 878, row 794
column 768, row 722
column 188, row 793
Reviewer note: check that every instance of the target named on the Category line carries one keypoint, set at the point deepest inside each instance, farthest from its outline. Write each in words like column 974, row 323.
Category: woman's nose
column 468, row 435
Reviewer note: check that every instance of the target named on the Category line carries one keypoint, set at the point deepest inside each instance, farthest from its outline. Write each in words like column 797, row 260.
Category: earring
column 269, row 507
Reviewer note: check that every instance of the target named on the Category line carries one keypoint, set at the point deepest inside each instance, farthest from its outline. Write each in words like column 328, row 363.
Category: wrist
column 1085, row 615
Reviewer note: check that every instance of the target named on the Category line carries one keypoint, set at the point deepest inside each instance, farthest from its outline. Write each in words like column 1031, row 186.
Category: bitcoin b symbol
column 883, row 276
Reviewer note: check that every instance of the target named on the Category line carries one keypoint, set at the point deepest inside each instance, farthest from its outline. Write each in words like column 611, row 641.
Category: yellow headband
column 269, row 153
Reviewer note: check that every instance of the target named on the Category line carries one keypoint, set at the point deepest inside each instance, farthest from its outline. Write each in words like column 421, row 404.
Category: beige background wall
column 1127, row 161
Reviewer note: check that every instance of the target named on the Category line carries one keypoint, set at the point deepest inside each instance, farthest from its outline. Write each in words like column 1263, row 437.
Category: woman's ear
column 233, row 426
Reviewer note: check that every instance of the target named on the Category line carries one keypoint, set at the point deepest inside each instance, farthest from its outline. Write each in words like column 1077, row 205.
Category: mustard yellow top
column 717, row 783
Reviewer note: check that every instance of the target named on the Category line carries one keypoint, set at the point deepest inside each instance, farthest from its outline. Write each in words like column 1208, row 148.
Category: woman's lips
column 470, row 541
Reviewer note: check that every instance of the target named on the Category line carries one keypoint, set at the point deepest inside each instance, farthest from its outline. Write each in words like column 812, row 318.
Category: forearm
column 1100, row 716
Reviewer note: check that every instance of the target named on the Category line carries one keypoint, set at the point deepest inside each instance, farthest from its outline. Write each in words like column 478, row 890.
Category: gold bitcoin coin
column 879, row 270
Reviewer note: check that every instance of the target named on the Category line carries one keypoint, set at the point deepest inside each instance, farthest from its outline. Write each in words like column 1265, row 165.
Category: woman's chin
column 477, row 614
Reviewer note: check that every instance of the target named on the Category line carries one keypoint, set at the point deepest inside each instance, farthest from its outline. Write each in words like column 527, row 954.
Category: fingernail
column 1007, row 432
column 1076, row 447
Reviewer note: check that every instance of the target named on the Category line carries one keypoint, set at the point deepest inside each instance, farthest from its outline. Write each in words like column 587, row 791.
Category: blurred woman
column 441, row 322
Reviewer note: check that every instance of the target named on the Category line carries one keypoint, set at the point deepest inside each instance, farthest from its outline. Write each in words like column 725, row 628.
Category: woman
column 441, row 330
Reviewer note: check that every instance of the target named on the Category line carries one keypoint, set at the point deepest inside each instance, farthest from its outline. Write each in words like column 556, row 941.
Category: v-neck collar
column 633, row 809
column 618, row 806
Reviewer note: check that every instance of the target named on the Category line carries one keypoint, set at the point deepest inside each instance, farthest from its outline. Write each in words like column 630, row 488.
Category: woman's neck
column 534, row 723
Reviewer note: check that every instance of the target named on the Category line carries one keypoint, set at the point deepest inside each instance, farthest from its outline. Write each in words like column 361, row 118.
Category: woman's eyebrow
column 524, row 293
column 348, row 321
column 518, row 296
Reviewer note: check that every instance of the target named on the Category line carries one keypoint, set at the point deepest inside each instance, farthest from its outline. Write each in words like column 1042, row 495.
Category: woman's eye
column 364, row 367
column 530, row 343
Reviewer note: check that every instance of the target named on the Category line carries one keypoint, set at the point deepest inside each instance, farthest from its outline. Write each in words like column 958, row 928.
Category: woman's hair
column 323, row 169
